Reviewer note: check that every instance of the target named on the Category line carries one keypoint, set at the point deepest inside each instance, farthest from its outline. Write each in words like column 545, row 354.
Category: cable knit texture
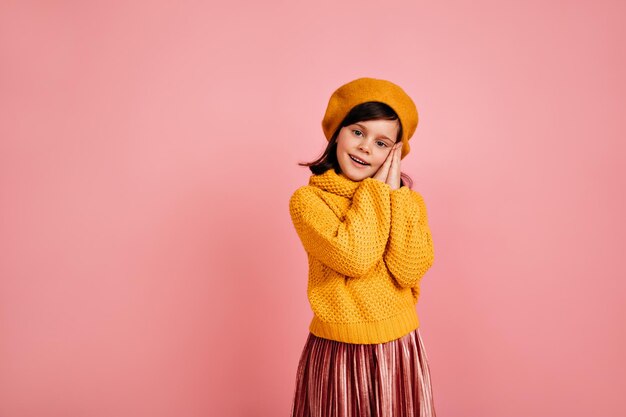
column 368, row 247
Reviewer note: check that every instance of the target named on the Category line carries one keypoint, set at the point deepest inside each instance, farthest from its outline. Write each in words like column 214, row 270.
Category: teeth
column 358, row 160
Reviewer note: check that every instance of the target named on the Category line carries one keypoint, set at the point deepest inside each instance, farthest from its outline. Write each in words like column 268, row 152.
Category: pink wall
column 148, row 265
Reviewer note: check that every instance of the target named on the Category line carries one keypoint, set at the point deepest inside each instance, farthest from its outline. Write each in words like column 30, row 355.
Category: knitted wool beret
column 366, row 89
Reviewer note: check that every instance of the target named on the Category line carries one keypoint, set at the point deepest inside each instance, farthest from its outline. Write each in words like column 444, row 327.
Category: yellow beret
column 366, row 89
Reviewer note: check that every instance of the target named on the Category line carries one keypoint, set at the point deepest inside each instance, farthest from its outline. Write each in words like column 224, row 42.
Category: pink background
column 148, row 265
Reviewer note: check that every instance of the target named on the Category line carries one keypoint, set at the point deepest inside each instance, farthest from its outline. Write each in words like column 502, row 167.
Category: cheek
column 341, row 143
column 380, row 157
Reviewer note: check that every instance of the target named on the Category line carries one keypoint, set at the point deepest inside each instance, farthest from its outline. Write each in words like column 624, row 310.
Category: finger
column 393, row 179
column 397, row 154
column 394, row 152
column 383, row 170
column 388, row 159
column 393, row 166
column 397, row 160
column 386, row 166
column 391, row 155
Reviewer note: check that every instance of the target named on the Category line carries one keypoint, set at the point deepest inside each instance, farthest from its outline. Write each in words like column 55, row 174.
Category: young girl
column 368, row 244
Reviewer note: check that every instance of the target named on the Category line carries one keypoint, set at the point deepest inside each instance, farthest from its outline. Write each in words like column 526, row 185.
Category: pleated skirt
column 336, row 379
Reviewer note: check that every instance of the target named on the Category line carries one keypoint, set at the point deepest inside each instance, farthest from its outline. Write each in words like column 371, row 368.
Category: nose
column 364, row 147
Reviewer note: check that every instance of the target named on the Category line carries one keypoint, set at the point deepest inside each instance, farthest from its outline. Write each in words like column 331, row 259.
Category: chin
column 352, row 177
column 355, row 174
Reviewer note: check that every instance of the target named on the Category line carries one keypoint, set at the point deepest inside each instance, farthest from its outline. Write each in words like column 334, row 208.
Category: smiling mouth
column 358, row 161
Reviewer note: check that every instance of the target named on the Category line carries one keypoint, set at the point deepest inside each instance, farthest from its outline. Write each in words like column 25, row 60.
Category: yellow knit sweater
column 368, row 247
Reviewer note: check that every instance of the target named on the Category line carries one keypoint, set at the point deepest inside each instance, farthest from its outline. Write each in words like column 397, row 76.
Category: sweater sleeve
column 409, row 253
column 351, row 245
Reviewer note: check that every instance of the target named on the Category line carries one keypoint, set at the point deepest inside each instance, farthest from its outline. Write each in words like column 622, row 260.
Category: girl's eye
column 360, row 134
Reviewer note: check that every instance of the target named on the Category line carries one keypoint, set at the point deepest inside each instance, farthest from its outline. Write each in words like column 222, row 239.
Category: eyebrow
column 364, row 128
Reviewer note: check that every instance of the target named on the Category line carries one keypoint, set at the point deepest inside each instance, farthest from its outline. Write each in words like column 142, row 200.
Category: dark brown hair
column 370, row 110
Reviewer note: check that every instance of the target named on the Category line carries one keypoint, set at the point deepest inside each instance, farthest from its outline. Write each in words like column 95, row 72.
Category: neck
column 335, row 183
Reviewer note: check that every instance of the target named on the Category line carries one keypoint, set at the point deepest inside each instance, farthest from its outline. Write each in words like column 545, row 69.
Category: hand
column 383, row 171
column 393, row 176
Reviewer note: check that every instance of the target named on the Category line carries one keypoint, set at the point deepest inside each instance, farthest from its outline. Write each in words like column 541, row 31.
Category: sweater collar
column 334, row 183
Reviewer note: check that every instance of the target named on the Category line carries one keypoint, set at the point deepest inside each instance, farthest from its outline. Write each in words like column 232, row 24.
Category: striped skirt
column 336, row 379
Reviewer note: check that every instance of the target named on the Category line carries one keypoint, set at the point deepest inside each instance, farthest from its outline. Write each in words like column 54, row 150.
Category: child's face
column 369, row 141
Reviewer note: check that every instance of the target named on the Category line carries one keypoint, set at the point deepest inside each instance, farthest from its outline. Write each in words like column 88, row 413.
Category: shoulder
column 407, row 193
column 405, row 197
column 303, row 195
column 301, row 192
column 418, row 199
